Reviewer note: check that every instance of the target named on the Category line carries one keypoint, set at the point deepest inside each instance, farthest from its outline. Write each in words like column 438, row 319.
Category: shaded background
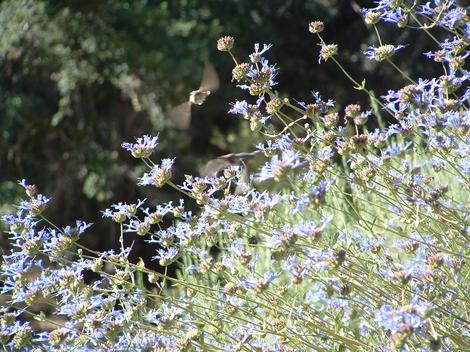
column 80, row 77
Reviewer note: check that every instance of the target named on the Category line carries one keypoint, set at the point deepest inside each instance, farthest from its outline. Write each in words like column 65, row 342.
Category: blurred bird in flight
column 222, row 162
column 181, row 114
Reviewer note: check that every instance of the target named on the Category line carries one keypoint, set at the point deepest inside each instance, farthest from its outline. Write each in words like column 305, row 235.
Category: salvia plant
column 345, row 239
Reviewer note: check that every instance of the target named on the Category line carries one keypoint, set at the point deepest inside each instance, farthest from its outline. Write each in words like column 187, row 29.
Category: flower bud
column 411, row 246
column 398, row 338
column 153, row 278
column 154, row 218
column 256, row 89
column 402, row 277
column 31, row 190
column 384, row 52
column 244, row 256
column 141, row 152
column 230, row 288
column 402, row 21
column 345, row 289
column 161, row 177
column 440, row 55
column 316, row 27
column 260, row 285
column 230, row 172
column 456, row 264
column 32, row 246
column 435, row 261
column 327, row 51
column 58, row 336
column 361, row 120
column 352, row 110
column 395, row 3
column 240, row 71
column 312, row 110
column 273, row 106
column 407, row 93
column 22, row 338
column 97, row 265
column 178, row 211
column 225, row 43
column 331, row 120
column 199, row 186
column 38, row 205
column 255, row 123
column 372, row 17
column 358, row 143
column 449, row 84
column 119, row 217
column 18, row 227
column 131, row 209
column 143, row 228
column 329, row 138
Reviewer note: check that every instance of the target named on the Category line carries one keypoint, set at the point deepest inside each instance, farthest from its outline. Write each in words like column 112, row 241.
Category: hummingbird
column 181, row 114
column 222, row 162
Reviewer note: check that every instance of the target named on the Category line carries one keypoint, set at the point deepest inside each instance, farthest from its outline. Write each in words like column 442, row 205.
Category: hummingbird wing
column 181, row 115
column 214, row 166
column 210, row 78
column 222, row 162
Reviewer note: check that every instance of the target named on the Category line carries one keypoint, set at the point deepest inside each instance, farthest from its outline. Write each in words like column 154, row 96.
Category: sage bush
column 346, row 238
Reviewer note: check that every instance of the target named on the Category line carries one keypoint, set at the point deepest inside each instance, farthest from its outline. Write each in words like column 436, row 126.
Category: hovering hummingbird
column 181, row 114
column 222, row 162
